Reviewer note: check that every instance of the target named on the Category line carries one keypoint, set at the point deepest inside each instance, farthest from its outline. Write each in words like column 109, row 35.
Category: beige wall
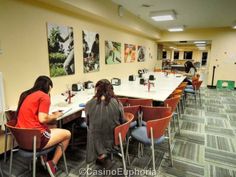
column 23, row 40
column 222, row 54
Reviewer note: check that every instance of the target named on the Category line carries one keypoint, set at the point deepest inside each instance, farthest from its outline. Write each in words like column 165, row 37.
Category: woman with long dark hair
column 190, row 71
column 103, row 112
column 32, row 112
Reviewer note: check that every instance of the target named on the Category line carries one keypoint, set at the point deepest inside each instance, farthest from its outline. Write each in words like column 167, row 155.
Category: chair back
column 195, row 78
column 24, row 136
column 152, row 113
column 159, row 126
column 123, row 100
column 10, row 115
column 122, row 129
column 182, row 86
column 140, row 102
column 134, row 110
column 172, row 102
column 197, row 85
column 176, row 93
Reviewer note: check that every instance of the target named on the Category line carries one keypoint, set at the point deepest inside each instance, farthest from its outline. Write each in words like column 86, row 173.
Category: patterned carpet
column 205, row 147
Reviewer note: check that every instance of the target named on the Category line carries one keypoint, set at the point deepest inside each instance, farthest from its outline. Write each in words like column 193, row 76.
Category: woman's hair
column 188, row 65
column 42, row 83
column 104, row 88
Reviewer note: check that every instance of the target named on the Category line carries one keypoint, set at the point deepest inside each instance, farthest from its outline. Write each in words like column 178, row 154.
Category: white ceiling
column 193, row 14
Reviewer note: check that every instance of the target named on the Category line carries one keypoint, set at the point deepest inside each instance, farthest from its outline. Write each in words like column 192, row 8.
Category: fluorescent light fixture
column 199, row 42
column 163, row 15
column 201, row 45
column 202, row 48
column 176, row 29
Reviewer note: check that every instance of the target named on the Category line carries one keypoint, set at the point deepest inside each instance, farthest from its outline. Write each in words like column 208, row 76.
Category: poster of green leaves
column 60, row 50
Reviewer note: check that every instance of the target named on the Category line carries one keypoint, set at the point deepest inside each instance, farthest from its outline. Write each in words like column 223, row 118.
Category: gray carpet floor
column 206, row 146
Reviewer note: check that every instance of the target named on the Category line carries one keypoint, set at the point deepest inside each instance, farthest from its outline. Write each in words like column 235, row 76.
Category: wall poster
column 61, row 50
column 141, row 53
column 90, row 51
column 112, row 52
column 129, row 53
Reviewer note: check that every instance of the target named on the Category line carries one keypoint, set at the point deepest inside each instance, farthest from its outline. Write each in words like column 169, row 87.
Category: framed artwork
column 112, row 52
column 129, row 53
column 176, row 55
column 141, row 53
column 90, row 51
column 60, row 50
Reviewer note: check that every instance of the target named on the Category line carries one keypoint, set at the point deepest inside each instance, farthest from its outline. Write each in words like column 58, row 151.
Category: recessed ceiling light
column 176, row 29
column 163, row 15
column 200, row 45
column 199, row 42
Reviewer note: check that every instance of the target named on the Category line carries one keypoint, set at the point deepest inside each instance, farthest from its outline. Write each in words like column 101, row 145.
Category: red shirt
column 28, row 114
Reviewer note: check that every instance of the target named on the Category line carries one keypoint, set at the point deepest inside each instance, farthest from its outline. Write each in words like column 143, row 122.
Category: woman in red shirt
column 32, row 112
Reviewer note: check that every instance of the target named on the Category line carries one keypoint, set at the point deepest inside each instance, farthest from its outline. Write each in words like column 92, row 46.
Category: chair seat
column 29, row 154
column 133, row 124
column 189, row 87
column 140, row 134
column 144, row 123
column 188, row 90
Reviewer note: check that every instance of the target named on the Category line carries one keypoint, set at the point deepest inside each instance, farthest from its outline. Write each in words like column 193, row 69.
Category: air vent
column 182, row 41
column 146, row 5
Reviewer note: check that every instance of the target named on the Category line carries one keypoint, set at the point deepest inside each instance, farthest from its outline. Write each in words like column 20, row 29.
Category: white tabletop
column 163, row 86
column 81, row 98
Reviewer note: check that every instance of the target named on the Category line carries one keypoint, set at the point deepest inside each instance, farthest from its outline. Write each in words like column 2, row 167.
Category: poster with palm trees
column 60, row 50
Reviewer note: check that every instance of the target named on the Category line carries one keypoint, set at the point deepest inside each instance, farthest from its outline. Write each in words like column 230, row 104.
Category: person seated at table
column 103, row 113
column 32, row 112
column 190, row 71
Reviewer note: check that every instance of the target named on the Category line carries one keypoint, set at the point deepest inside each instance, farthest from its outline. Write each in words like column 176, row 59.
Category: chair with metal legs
column 120, row 133
column 154, row 133
column 28, row 140
column 173, row 104
column 195, row 91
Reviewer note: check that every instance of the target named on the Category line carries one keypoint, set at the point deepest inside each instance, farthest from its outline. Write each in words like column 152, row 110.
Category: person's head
column 97, row 37
column 42, row 83
column 188, row 65
column 104, row 88
column 83, row 34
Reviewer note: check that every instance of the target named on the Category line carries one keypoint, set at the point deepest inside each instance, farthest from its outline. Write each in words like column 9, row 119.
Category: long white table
column 163, row 86
column 81, row 97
